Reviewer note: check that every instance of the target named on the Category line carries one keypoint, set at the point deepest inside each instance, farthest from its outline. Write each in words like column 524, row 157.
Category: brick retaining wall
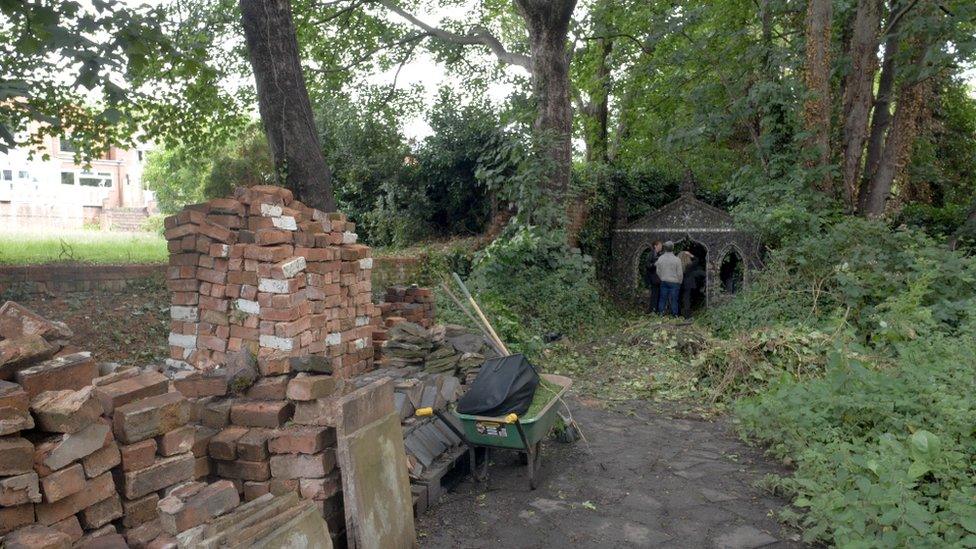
column 66, row 278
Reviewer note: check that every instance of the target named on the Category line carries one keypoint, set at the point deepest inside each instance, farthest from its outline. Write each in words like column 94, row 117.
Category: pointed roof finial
column 688, row 184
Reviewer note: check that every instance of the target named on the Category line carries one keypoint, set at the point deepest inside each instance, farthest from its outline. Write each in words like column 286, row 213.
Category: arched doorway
column 731, row 272
column 694, row 288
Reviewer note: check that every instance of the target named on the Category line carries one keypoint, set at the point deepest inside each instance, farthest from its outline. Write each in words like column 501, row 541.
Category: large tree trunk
column 897, row 148
column 548, row 24
column 880, row 117
column 859, row 95
column 598, row 144
column 286, row 111
column 816, row 108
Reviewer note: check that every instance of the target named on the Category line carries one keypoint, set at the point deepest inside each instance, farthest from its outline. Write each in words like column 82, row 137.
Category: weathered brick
column 63, row 450
column 95, row 490
column 164, row 472
column 269, row 388
column 128, row 390
column 320, row 488
column 202, row 384
column 19, row 489
column 306, row 387
column 322, row 412
column 243, row 470
column 16, row 456
column 139, row 511
column 295, row 466
column 138, row 455
column 223, row 445
column 178, row 515
column 12, row 518
column 142, row 535
column 255, row 489
column 301, row 440
column 201, row 439
column 216, row 414
column 253, row 446
column 101, row 513
column 74, row 371
column 65, row 411
column 177, row 441
column 201, row 467
column 104, row 538
column 150, row 417
column 261, row 413
column 19, row 321
column 102, row 460
column 71, row 527
column 63, row 483
column 36, row 536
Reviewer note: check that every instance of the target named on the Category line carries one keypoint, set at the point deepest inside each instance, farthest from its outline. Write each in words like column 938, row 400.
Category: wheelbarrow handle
column 427, row 412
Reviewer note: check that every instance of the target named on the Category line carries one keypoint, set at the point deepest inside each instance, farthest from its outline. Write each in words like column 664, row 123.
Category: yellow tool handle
column 511, row 418
column 424, row 412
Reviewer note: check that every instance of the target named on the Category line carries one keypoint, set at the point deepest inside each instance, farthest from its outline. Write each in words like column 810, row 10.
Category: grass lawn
column 80, row 246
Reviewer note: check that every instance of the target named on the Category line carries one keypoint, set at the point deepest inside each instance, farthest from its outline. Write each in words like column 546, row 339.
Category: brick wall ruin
column 261, row 273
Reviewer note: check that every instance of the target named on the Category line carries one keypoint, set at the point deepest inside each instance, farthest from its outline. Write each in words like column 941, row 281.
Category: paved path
column 646, row 480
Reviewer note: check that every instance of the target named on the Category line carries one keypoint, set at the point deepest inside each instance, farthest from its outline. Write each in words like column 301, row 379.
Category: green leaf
column 917, row 469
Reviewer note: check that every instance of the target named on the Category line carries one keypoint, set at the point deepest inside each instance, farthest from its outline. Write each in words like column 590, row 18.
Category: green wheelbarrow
column 510, row 432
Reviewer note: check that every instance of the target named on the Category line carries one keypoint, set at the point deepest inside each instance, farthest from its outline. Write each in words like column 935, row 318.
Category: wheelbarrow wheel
column 534, row 458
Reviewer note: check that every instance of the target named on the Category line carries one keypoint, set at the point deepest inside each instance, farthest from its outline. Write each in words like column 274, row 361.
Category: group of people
column 673, row 279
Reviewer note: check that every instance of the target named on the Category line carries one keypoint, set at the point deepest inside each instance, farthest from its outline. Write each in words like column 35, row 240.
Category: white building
column 56, row 192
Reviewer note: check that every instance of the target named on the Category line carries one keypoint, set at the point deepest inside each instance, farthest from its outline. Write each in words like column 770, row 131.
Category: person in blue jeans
column 671, row 272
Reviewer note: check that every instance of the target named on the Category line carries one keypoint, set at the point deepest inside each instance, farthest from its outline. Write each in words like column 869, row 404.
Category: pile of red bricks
column 266, row 274
column 402, row 304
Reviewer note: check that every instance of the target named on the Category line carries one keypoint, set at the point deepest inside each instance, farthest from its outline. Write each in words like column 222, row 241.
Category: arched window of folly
column 730, row 254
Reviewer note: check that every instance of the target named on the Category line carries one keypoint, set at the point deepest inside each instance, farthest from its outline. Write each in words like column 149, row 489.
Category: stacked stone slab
column 264, row 274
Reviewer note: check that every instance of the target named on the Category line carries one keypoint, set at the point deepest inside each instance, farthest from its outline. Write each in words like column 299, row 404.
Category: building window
column 8, row 175
column 66, row 145
column 22, row 174
column 139, row 155
column 67, row 178
column 100, row 179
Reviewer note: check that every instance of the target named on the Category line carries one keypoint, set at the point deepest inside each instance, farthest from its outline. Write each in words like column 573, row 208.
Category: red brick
column 139, row 511
column 128, row 390
column 20, row 489
column 201, row 439
column 261, row 413
column 74, row 371
column 178, row 515
column 139, row 455
column 19, row 321
column 201, row 384
column 12, row 518
column 201, row 467
column 306, row 387
column 223, row 445
column 71, row 527
column 101, row 513
column 320, row 488
column 253, row 446
column 301, row 440
column 142, row 535
column 95, row 490
column 65, row 411
column 104, row 538
column 36, row 536
column 16, row 456
column 243, row 470
column 271, row 237
column 271, row 254
column 269, row 388
column 63, row 483
column 255, row 489
column 216, row 232
column 102, row 460
column 177, row 441
column 295, row 466
column 150, row 417
column 164, row 472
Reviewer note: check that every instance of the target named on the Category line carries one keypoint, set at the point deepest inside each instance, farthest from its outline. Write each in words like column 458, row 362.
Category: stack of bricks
column 264, row 274
column 278, row 438
column 403, row 304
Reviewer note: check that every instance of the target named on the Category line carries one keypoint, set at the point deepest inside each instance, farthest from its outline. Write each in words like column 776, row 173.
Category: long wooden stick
column 484, row 332
column 481, row 315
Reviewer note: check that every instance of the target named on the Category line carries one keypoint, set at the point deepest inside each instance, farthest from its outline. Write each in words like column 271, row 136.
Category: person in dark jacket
column 693, row 280
column 651, row 279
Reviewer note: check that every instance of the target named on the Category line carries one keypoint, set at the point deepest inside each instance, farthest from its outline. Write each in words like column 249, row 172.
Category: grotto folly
column 689, row 223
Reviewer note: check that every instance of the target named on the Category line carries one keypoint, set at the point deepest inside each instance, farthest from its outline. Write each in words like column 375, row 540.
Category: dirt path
column 647, row 480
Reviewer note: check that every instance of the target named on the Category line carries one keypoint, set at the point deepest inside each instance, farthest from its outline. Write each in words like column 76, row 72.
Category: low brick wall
column 73, row 277
column 67, row 278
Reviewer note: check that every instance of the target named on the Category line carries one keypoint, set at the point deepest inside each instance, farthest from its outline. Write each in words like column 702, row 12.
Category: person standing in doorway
column 670, row 271
column 691, row 281
column 651, row 279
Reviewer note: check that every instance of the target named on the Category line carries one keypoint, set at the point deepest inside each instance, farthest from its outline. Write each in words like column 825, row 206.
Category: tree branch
column 476, row 36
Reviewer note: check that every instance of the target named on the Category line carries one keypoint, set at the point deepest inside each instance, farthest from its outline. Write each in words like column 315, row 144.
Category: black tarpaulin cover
column 503, row 386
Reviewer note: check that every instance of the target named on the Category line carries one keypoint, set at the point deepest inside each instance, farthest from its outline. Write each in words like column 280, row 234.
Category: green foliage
column 883, row 456
column 533, row 284
column 154, row 224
